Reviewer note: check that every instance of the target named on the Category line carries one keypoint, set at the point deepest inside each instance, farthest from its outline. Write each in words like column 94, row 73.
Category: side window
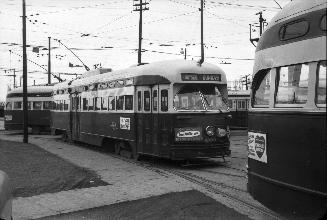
column 66, row 105
column 293, row 30
column 262, row 90
column 146, row 101
column 90, row 104
column 112, row 103
column 104, row 103
column 164, row 100
column 17, row 105
column 37, row 105
column 321, row 84
column 85, row 104
column 323, row 23
column 155, row 100
column 292, row 84
column 8, row 106
column 230, row 103
column 139, row 101
column 120, row 102
column 97, row 103
column 128, row 102
column 29, row 105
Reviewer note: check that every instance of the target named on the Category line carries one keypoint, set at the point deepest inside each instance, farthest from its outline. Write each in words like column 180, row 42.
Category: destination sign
column 200, row 77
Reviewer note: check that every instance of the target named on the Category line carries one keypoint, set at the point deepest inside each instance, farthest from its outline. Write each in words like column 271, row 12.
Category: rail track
column 211, row 186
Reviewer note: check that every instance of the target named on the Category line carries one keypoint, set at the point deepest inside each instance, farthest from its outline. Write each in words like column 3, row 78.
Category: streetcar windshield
column 202, row 97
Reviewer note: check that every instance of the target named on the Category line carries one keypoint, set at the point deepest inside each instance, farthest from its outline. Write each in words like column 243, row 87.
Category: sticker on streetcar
column 125, row 123
column 188, row 134
column 8, row 117
column 257, row 146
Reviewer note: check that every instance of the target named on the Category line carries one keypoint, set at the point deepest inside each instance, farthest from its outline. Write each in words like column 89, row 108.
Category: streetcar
column 173, row 109
column 239, row 103
column 287, row 153
column 39, row 104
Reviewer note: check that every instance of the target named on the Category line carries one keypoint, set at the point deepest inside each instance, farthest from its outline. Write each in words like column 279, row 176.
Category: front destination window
column 202, row 97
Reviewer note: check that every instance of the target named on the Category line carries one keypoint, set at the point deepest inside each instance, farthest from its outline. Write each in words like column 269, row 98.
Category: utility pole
column 49, row 62
column 14, row 75
column 25, row 115
column 261, row 26
column 202, row 46
column 140, row 8
column 246, row 81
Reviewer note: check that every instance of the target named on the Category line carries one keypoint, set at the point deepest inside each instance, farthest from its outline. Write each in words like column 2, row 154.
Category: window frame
column 271, row 85
column 284, row 26
column 319, row 105
column 164, row 108
column 277, row 79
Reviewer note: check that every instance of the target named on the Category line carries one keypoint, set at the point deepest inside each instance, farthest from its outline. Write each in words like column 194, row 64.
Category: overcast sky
column 106, row 32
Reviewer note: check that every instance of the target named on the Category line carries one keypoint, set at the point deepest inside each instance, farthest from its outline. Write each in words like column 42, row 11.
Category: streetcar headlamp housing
column 210, row 130
column 221, row 132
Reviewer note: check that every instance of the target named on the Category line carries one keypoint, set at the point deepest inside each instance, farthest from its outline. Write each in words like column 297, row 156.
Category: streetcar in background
column 287, row 158
column 39, row 104
column 239, row 102
column 170, row 109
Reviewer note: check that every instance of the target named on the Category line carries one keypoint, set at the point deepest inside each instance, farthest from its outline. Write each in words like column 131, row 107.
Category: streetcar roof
column 166, row 71
column 32, row 89
column 296, row 8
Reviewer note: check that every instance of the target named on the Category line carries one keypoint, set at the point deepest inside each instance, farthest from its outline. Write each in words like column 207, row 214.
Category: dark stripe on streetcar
column 11, row 95
column 272, row 38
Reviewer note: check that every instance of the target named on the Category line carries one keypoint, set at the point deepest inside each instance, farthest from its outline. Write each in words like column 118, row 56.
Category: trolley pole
column 49, row 62
column 202, row 46
column 25, row 115
column 140, row 8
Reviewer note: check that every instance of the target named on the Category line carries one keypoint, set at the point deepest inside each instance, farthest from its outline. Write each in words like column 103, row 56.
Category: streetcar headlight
column 221, row 132
column 210, row 130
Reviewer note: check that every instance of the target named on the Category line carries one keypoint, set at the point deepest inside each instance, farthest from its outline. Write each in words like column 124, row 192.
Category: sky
column 106, row 32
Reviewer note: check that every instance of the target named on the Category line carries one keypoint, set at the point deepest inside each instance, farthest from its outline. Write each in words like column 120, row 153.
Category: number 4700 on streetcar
column 172, row 109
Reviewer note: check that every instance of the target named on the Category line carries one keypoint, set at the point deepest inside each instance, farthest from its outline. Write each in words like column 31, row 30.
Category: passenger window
column 37, row 105
column 66, row 105
column 29, row 105
column 128, row 102
column 155, row 100
column 104, row 103
column 146, row 101
column 164, row 100
column 17, row 105
column 139, row 101
column 47, row 105
column 293, row 30
column 321, row 85
column 230, row 103
column 112, row 103
column 8, row 106
column 90, row 104
column 293, row 84
column 262, row 90
column 97, row 103
column 323, row 23
column 120, row 102
column 85, row 104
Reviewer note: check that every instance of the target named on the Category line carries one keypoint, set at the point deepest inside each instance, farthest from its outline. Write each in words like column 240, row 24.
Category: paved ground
column 185, row 205
column 128, row 186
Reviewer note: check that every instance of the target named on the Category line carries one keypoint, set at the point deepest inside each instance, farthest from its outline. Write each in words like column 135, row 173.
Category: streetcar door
column 155, row 120
column 144, row 119
column 164, row 122
column 75, row 125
